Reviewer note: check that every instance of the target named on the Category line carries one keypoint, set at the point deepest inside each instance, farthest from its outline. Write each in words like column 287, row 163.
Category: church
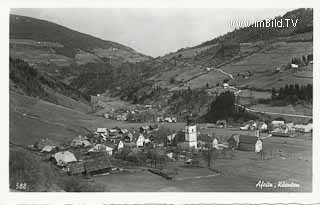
column 191, row 134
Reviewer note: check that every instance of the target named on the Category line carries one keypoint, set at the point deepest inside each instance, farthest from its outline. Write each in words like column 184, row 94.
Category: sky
column 153, row 32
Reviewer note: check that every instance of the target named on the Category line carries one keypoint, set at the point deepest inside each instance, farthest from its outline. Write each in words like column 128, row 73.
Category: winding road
column 257, row 111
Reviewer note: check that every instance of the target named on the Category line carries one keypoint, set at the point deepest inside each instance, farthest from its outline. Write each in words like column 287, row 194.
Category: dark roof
column 76, row 167
column 96, row 164
column 248, row 139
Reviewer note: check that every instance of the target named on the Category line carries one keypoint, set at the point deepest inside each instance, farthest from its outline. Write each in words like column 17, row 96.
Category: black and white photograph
column 161, row 99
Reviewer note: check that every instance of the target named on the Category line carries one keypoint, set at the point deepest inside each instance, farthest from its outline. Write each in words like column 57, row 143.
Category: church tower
column 191, row 134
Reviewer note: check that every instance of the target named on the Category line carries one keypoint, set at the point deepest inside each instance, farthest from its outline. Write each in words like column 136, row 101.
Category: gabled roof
column 96, row 164
column 248, row 139
column 62, row 158
column 76, row 167
column 102, row 130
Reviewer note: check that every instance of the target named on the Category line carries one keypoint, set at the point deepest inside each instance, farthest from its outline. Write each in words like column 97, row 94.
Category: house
column 215, row 143
column 262, row 126
column 140, row 140
column 80, row 141
column 63, row 158
column 159, row 119
column 245, row 127
column 128, row 137
column 121, row 117
column 168, row 119
column 130, row 145
column 249, row 143
column 277, row 123
column 98, row 165
column 107, row 116
column 144, row 129
column 75, row 168
column 294, row 66
column 120, row 145
column 102, row 130
column 45, row 142
column 48, row 149
column 304, row 127
column 221, row 123
column 154, row 127
column 225, row 85
column 102, row 148
column 278, row 70
column 171, row 137
column 245, row 143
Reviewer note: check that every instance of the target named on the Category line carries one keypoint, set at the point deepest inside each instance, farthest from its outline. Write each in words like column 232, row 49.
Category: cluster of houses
column 281, row 128
column 166, row 119
column 278, row 128
column 92, row 154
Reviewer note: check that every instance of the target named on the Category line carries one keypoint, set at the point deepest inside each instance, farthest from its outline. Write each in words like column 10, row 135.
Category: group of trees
column 303, row 61
column 293, row 93
column 224, row 108
column 35, row 83
column 190, row 100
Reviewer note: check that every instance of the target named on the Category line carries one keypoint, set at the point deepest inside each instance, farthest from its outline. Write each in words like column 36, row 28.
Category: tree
column 222, row 107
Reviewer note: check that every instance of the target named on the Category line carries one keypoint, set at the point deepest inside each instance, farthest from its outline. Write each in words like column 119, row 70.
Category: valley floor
column 286, row 159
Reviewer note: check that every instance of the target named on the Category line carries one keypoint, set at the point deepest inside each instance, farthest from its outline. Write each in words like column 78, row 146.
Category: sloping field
column 276, row 55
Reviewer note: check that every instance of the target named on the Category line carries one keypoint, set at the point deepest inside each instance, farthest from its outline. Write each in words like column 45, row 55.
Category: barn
column 249, row 143
column 245, row 143
column 99, row 165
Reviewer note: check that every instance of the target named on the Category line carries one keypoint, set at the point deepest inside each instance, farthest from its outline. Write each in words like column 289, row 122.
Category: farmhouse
column 45, row 142
column 245, row 143
column 120, row 145
column 63, row 158
column 80, row 141
column 277, row 123
column 48, row 148
column 249, row 143
column 140, row 140
column 102, row 130
column 303, row 127
column 102, row 148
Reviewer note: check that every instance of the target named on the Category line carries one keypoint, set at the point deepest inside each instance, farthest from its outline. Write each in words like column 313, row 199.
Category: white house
column 101, row 148
column 170, row 138
column 215, row 143
column 294, row 66
column 120, row 145
column 102, row 130
column 263, row 126
column 303, row 128
column 140, row 141
column 62, row 158
column 277, row 123
column 191, row 135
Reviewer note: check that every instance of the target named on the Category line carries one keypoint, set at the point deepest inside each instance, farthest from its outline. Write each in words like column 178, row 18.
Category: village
column 164, row 152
